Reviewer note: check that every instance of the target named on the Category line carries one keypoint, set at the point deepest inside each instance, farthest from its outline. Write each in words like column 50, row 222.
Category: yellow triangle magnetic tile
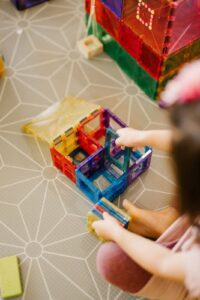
column 58, row 118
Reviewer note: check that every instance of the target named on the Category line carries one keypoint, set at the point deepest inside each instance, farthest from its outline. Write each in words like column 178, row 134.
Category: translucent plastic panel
column 58, row 118
column 115, row 5
column 107, row 19
column 186, row 26
column 22, row 4
column 149, row 20
column 129, row 40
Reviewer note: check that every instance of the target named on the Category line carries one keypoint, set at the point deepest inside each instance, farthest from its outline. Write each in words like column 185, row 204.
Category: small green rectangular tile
column 10, row 283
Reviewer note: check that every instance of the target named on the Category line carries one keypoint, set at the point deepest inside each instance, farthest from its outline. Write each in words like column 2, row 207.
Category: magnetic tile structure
column 82, row 144
column 108, row 172
column 23, row 4
column 150, row 40
column 58, row 126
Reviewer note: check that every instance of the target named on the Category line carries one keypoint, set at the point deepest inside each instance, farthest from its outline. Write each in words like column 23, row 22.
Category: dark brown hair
column 185, row 119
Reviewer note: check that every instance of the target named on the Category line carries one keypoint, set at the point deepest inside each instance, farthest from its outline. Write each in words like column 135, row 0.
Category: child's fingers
column 118, row 141
column 106, row 216
column 94, row 225
column 119, row 130
column 127, row 205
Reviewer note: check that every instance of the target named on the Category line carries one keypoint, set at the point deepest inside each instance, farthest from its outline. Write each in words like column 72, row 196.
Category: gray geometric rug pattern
column 42, row 213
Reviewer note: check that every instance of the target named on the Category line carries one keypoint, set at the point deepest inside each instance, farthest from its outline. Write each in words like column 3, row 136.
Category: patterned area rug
column 42, row 213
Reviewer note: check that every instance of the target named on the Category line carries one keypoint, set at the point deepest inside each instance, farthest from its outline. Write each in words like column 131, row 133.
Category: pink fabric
column 192, row 264
column 185, row 87
column 192, row 269
column 158, row 288
column 117, row 268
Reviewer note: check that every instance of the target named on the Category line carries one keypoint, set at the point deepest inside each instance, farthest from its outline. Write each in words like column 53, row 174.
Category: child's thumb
column 106, row 216
column 118, row 142
column 127, row 205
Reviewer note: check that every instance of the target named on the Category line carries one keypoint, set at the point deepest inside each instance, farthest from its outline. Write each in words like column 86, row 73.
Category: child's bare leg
column 150, row 223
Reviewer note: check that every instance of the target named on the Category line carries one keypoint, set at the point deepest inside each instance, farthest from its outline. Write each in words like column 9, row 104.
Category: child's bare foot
column 150, row 223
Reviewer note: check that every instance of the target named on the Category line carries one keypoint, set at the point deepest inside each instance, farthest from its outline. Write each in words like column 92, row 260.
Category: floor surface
column 42, row 214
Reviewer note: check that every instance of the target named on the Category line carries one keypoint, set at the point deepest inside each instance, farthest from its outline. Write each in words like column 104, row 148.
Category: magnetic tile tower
column 149, row 39
column 81, row 137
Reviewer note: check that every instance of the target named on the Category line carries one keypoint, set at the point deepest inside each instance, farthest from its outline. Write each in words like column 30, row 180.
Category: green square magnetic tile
column 10, row 282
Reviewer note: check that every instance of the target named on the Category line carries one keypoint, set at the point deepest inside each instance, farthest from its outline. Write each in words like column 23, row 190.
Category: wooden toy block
column 1, row 65
column 10, row 282
column 90, row 46
column 96, row 213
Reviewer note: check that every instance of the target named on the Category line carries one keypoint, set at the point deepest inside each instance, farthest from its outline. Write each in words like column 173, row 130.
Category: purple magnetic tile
column 115, row 118
column 116, row 6
column 91, row 162
column 23, row 4
column 140, row 166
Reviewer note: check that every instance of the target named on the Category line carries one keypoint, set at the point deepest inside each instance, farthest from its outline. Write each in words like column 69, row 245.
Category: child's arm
column 154, row 258
column 159, row 139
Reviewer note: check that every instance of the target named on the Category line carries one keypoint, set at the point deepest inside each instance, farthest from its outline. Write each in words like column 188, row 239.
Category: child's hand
column 107, row 228
column 131, row 209
column 129, row 137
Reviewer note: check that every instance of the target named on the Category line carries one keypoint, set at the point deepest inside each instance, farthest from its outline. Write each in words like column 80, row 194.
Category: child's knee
column 108, row 257
column 116, row 267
